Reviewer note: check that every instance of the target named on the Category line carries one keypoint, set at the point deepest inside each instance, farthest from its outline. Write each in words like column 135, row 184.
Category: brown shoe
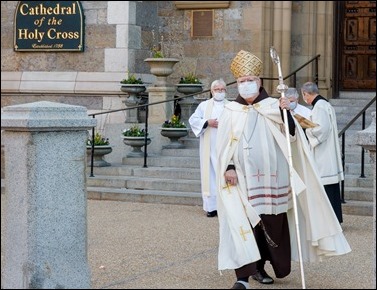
column 262, row 277
column 238, row 285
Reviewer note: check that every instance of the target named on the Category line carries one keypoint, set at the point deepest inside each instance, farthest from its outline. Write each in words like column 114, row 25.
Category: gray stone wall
column 120, row 35
column 241, row 26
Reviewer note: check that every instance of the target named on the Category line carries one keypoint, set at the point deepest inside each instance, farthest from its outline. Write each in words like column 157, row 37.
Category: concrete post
column 159, row 113
column 367, row 139
column 46, row 223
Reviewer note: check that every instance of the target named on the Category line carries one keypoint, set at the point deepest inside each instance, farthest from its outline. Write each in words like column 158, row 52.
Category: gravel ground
column 161, row 246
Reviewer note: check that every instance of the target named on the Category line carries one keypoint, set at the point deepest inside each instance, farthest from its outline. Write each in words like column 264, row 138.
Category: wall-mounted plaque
column 202, row 23
column 49, row 26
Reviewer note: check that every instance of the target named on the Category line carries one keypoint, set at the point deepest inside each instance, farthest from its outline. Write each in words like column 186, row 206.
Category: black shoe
column 238, row 285
column 212, row 213
column 262, row 277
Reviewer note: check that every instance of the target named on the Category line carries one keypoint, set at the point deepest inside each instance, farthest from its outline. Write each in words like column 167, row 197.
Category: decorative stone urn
column 132, row 100
column 136, row 143
column 174, row 134
column 189, row 89
column 161, row 68
column 99, row 152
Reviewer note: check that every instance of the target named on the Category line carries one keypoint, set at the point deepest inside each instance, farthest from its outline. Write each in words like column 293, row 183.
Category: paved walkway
column 160, row 246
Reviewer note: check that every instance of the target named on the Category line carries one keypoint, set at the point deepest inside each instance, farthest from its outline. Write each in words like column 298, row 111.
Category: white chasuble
column 239, row 206
column 266, row 169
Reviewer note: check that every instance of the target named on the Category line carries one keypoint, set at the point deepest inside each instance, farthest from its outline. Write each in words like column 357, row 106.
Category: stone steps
column 145, row 182
column 358, row 192
column 144, row 195
column 354, row 207
column 174, row 176
column 357, row 181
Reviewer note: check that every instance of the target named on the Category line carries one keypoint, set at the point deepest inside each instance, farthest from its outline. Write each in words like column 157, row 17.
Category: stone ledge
column 65, row 82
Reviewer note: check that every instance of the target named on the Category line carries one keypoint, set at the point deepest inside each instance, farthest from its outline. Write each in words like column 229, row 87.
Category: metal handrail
column 342, row 134
column 145, row 126
column 146, row 105
column 294, row 73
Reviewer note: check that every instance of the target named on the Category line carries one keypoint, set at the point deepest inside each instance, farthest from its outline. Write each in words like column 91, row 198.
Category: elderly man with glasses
column 204, row 123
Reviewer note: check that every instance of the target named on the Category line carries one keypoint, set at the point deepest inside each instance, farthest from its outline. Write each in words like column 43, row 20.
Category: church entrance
column 355, row 55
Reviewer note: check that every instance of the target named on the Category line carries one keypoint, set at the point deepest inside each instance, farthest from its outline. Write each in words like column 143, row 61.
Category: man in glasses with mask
column 256, row 220
column 203, row 123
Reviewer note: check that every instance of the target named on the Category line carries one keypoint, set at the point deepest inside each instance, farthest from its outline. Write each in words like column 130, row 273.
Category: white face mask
column 248, row 89
column 292, row 105
column 219, row 96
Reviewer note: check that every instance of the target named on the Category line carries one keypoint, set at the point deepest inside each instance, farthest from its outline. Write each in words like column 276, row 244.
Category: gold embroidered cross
column 227, row 186
column 243, row 233
column 232, row 139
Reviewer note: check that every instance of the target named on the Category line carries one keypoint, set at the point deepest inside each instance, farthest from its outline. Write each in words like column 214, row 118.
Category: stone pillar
column 367, row 139
column 159, row 113
column 46, row 198
column 276, row 27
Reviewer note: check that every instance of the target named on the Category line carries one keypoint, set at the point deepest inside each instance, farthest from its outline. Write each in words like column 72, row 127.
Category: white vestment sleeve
column 320, row 116
column 197, row 119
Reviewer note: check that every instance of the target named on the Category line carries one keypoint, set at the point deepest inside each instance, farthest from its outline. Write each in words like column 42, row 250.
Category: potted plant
column 189, row 84
column 101, row 148
column 190, row 78
column 157, row 51
column 160, row 65
column 136, row 138
column 133, row 87
column 174, row 129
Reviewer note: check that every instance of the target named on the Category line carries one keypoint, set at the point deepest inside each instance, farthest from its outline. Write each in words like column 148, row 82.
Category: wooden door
column 358, row 45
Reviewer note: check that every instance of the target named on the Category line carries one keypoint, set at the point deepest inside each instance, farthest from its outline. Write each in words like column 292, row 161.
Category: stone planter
column 189, row 89
column 99, row 153
column 189, row 104
column 174, row 134
column 136, row 143
column 161, row 68
column 133, row 90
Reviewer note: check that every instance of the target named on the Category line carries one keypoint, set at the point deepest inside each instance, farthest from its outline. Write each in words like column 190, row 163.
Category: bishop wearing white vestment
column 255, row 210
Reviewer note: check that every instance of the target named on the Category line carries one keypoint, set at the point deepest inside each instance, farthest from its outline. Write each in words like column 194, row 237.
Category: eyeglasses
column 219, row 90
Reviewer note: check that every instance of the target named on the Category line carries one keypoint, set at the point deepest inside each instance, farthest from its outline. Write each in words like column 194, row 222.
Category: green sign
column 49, row 26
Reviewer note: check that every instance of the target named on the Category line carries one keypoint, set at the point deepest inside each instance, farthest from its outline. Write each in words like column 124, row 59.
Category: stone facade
column 120, row 35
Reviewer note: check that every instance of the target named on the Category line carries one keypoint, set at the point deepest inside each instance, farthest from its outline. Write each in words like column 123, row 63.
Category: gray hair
column 291, row 92
column 218, row 82
column 310, row 88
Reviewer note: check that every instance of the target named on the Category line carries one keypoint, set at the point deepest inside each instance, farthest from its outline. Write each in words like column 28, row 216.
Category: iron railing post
column 343, row 164
column 316, row 71
column 362, row 175
column 92, row 152
column 146, row 134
